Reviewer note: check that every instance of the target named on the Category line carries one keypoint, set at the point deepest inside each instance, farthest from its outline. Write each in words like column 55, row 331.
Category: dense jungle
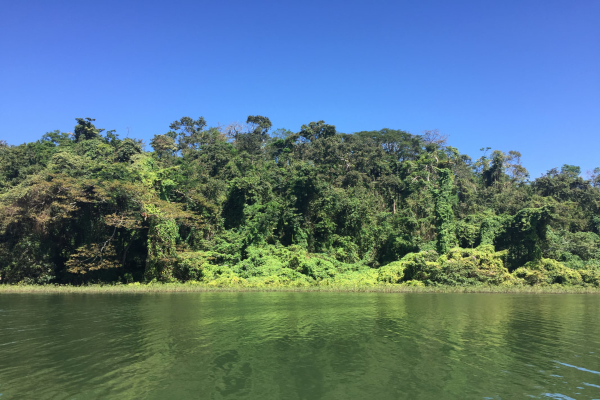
column 247, row 205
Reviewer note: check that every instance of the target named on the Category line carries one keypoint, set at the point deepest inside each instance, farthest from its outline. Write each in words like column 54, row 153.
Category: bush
column 191, row 265
column 392, row 273
column 420, row 266
column 482, row 265
column 547, row 272
column 362, row 277
column 530, row 277
column 590, row 276
column 290, row 262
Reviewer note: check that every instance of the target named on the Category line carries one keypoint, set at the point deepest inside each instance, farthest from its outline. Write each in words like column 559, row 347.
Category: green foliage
column 127, row 149
column 525, row 234
column 482, row 265
column 194, row 265
column 444, row 214
column 392, row 273
column 162, row 238
column 26, row 261
column 547, row 272
column 458, row 267
column 243, row 205
column 421, row 266
column 491, row 228
column 85, row 130
column 591, row 276
column 317, row 130
column 573, row 248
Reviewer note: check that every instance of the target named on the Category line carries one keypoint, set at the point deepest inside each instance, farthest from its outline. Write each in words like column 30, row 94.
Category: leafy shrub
column 392, row 273
column 344, row 249
column 482, row 265
column 361, row 277
column 421, row 266
column 590, row 276
column 547, row 272
column 191, row 265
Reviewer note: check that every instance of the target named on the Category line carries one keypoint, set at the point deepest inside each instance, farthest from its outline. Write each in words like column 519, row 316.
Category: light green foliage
column 490, row 229
column 458, row 267
column 94, row 150
column 482, row 265
column 590, row 276
column 344, row 249
column 546, row 272
column 358, row 278
column 164, row 146
column 268, row 261
column 67, row 163
column 392, row 273
column 272, row 265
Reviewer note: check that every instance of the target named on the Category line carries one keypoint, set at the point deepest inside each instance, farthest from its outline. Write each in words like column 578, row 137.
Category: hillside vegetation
column 251, row 206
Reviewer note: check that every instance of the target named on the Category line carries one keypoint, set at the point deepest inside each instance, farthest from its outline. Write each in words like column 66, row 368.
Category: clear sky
column 512, row 75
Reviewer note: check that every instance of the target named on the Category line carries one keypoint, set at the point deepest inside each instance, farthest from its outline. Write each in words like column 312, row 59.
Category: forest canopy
column 248, row 205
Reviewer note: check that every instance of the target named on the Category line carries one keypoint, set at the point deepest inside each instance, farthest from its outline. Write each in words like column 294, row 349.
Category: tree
column 317, row 130
column 256, row 135
column 164, row 146
column 242, row 204
column 595, row 177
column 85, row 130
column 189, row 133
column 572, row 171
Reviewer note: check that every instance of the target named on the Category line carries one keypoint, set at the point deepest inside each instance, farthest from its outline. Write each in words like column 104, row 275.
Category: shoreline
column 200, row 288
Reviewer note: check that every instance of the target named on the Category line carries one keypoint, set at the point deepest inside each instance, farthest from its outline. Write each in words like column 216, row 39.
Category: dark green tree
column 85, row 130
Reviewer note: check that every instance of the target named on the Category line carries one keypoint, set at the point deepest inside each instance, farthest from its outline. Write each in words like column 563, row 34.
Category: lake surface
column 299, row 346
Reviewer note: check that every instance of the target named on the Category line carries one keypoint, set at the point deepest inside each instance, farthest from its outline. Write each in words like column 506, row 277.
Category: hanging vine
column 444, row 216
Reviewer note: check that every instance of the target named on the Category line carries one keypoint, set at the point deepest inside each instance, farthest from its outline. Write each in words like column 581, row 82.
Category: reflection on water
column 300, row 346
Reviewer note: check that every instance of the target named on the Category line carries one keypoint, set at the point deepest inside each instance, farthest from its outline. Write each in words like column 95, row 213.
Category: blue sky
column 512, row 75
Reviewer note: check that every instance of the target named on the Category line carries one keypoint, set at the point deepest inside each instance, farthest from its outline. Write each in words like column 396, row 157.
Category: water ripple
column 299, row 346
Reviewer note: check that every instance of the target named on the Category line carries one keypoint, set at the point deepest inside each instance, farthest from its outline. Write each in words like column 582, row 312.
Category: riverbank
column 194, row 287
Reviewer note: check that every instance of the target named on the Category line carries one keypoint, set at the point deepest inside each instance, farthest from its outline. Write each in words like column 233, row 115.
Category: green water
column 299, row 346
